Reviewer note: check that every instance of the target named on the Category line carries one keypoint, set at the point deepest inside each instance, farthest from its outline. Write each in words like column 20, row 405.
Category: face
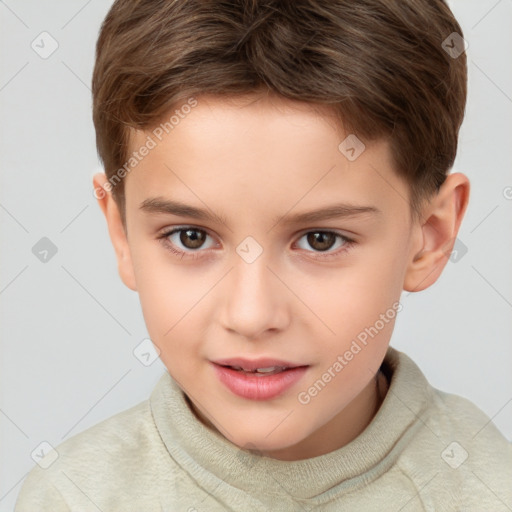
column 251, row 278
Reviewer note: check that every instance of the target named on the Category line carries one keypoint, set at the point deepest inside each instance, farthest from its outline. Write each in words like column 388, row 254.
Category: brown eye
column 192, row 238
column 321, row 240
column 186, row 242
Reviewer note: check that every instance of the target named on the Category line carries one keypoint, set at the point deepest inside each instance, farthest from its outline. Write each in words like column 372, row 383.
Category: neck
column 343, row 428
column 336, row 433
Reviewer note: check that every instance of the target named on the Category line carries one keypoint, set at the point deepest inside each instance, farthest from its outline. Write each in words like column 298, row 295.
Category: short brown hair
column 379, row 66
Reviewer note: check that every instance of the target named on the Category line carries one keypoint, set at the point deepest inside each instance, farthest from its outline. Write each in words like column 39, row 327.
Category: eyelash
column 163, row 237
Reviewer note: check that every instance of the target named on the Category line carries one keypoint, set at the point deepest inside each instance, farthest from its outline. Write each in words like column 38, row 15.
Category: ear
column 102, row 192
column 434, row 237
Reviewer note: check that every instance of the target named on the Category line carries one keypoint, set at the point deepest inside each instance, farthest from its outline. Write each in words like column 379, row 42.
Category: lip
column 253, row 364
column 259, row 387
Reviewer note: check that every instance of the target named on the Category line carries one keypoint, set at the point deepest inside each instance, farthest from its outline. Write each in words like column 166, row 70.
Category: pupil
column 190, row 235
column 325, row 240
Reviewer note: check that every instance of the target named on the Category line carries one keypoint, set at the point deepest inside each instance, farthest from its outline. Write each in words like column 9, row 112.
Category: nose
column 256, row 299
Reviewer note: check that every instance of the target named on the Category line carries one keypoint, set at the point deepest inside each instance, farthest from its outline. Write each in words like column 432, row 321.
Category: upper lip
column 254, row 364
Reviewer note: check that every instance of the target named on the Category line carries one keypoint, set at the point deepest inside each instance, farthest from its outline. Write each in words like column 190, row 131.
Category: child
column 277, row 172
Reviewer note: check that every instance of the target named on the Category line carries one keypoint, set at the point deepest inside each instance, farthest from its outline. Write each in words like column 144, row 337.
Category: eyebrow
column 157, row 205
column 168, row 206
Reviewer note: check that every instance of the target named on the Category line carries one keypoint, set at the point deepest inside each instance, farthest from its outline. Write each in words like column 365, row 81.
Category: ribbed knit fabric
column 425, row 450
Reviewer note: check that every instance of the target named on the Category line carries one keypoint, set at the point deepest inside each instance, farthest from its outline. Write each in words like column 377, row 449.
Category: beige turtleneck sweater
column 425, row 450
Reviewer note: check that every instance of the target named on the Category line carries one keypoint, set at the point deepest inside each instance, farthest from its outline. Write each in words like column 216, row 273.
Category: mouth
column 261, row 372
column 260, row 366
column 257, row 380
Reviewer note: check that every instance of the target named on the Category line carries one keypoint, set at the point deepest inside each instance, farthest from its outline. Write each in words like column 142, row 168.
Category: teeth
column 269, row 369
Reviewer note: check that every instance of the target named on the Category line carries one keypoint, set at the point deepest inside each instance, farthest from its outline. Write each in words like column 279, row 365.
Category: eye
column 322, row 241
column 185, row 241
column 188, row 237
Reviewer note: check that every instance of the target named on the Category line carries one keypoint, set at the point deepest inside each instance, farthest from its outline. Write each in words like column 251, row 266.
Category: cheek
column 359, row 293
column 359, row 298
column 170, row 298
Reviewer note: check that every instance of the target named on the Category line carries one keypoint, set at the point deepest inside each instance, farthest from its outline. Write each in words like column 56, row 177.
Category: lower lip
column 258, row 388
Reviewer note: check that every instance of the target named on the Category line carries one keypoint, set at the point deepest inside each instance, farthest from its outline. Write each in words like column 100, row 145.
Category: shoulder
column 106, row 456
column 455, row 449
column 473, row 435
column 471, row 431
column 122, row 435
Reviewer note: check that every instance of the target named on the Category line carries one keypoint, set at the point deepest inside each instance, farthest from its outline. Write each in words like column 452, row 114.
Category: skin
column 251, row 161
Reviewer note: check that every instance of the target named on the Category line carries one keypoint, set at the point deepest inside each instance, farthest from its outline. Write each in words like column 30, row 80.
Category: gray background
column 69, row 326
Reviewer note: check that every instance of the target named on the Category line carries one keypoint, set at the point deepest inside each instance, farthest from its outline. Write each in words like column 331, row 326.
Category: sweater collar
column 200, row 450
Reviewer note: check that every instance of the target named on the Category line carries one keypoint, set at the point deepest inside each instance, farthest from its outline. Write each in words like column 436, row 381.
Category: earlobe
column 116, row 230
column 434, row 239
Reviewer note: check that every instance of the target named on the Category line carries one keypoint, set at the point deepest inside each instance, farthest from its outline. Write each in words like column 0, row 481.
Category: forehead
column 265, row 149
column 249, row 111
